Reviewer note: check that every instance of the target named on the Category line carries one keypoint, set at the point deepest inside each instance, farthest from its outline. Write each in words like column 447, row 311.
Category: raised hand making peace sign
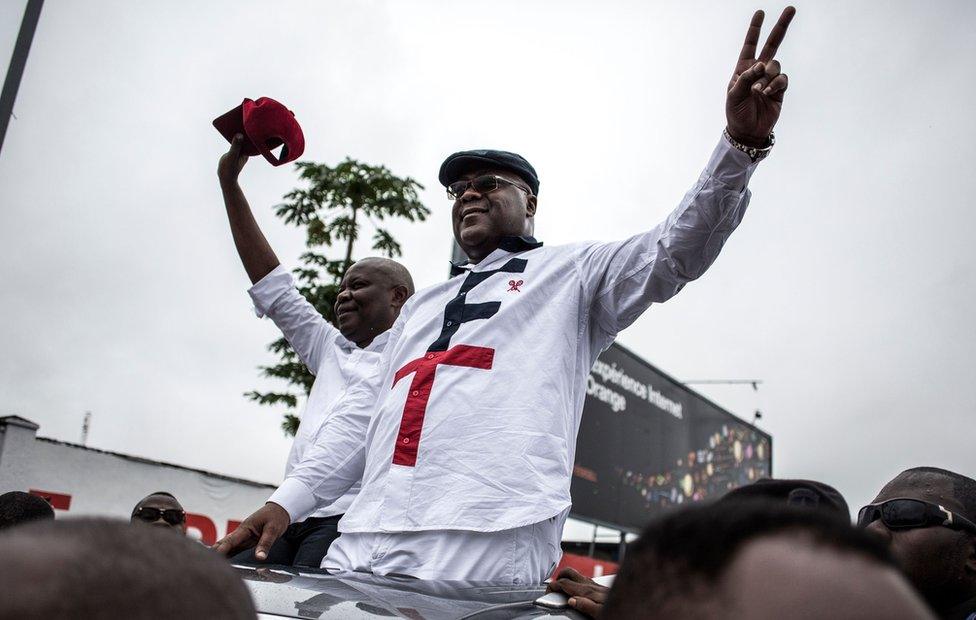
column 755, row 94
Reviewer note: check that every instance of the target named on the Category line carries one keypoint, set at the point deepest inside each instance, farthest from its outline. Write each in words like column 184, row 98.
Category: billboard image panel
column 647, row 442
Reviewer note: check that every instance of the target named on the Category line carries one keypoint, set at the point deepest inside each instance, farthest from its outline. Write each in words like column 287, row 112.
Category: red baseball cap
column 266, row 125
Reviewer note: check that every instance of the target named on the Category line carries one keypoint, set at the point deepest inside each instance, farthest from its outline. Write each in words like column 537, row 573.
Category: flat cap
column 466, row 161
column 809, row 493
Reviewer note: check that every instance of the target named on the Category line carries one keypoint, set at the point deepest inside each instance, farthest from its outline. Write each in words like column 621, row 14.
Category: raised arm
column 274, row 292
column 754, row 98
column 308, row 333
column 624, row 278
column 253, row 248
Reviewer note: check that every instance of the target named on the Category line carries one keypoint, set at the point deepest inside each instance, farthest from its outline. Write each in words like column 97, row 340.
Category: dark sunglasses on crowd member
column 483, row 184
column 149, row 515
column 905, row 513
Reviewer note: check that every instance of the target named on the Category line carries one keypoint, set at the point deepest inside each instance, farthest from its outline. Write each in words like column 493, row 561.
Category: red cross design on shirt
column 456, row 313
column 408, row 439
column 513, row 285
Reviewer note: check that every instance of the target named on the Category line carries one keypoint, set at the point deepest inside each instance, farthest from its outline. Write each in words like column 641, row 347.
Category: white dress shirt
column 470, row 420
column 335, row 361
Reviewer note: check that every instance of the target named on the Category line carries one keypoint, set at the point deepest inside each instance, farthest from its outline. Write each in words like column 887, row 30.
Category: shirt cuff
column 730, row 166
column 269, row 289
column 295, row 498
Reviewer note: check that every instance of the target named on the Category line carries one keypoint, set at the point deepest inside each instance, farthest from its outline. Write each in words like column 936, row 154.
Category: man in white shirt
column 371, row 293
column 465, row 438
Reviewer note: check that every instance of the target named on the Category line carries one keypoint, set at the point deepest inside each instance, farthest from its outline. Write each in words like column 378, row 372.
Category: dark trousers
column 303, row 544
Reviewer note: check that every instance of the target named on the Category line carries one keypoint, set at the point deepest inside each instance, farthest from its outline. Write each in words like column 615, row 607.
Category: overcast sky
column 848, row 289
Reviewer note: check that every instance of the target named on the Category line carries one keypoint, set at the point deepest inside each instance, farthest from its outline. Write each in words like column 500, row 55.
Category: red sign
column 57, row 500
column 201, row 523
column 588, row 567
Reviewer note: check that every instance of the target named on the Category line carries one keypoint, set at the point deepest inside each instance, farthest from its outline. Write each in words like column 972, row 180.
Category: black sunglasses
column 149, row 515
column 483, row 184
column 904, row 513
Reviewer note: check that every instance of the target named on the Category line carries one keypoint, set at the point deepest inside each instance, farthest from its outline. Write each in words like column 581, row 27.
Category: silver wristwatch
column 755, row 153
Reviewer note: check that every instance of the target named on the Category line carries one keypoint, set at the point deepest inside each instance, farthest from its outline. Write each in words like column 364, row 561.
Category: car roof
column 285, row 591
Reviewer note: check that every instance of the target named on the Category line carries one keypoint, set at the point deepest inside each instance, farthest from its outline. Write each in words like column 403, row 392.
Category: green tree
column 332, row 206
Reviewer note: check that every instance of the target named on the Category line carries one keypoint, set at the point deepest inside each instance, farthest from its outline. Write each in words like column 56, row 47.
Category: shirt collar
column 512, row 245
column 379, row 342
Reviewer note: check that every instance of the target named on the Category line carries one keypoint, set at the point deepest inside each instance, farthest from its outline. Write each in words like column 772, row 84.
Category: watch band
column 755, row 153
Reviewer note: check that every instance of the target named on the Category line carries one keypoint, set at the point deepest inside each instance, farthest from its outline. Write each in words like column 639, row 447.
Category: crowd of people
column 771, row 549
column 98, row 568
column 438, row 438
column 787, row 548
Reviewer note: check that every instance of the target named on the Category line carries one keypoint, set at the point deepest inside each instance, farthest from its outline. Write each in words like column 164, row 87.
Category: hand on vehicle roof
column 261, row 528
column 585, row 595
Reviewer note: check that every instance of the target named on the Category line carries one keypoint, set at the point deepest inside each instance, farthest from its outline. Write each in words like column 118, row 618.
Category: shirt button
column 406, row 440
column 416, row 392
column 449, row 323
column 430, row 356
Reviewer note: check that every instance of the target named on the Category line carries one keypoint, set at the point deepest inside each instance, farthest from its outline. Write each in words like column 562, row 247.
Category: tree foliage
column 333, row 205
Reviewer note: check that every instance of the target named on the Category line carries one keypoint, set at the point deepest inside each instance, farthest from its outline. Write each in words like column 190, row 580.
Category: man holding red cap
column 371, row 293
column 466, row 436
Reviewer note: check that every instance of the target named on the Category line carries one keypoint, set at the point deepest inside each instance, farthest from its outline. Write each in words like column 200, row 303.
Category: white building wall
column 107, row 484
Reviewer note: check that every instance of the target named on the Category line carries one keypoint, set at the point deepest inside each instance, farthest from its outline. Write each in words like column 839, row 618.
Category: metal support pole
column 623, row 547
column 17, row 62
column 85, row 426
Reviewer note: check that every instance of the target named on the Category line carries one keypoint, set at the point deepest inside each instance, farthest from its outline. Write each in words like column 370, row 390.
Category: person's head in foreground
column 801, row 493
column 758, row 559
column 99, row 568
column 371, row 294
column 162, row 509
column 17, row 507
column 588, row 596
column 926, row 515
column 494, row 194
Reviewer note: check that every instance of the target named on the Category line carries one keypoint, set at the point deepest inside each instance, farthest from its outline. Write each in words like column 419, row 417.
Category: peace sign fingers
column 776, row 36
column 772, row 41
column 754, row 96
column 752, row 37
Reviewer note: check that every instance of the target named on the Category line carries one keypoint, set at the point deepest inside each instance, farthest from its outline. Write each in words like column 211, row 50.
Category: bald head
column 394, row 273
column 160, row 509
column 939, row 561
column 99, row 568
column 159, row 497
column 371, row 294
column 956, row 489
column 793, row 575
column 758, row 558
column 17, row 507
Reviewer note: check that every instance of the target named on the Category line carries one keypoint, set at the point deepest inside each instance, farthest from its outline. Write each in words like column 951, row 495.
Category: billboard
column 647, row 442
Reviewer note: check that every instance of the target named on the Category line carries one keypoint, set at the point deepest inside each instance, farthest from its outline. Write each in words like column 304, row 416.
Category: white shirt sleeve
column 333, row 464
column 623, row 278
column 337, row 459
column 276, row 297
